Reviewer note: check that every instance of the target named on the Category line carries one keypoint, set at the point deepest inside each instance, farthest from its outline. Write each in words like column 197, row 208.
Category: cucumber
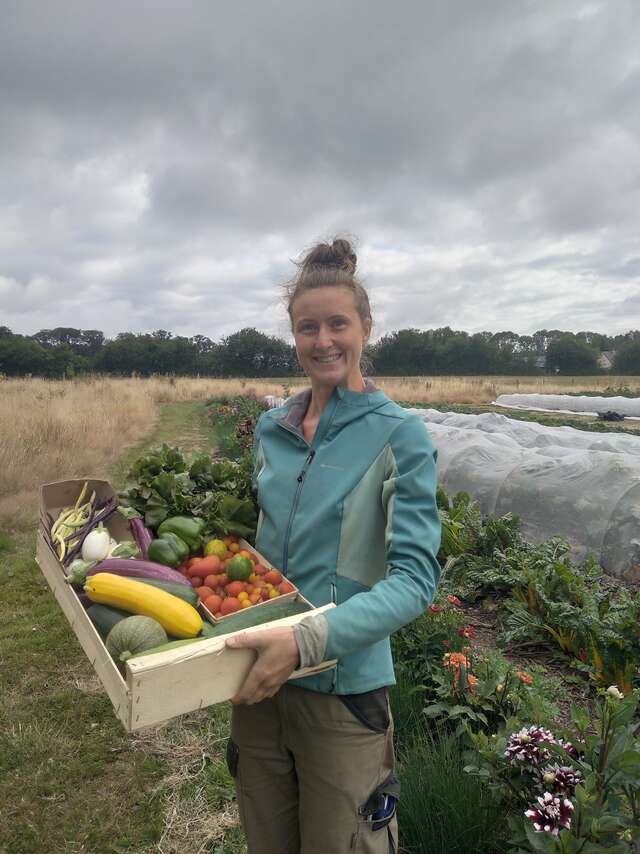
column 176, row 644
column 105, row 618
column 245, row 619
column 187, row 593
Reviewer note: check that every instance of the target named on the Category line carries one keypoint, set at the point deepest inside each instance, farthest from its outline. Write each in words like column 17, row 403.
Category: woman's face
column 329, row 336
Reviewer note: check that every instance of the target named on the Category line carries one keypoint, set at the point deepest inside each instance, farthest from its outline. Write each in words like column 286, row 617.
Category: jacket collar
column 358, row 402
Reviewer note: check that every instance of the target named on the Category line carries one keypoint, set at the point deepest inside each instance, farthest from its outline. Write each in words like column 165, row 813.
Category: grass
column 71, row 779
column 443, row 810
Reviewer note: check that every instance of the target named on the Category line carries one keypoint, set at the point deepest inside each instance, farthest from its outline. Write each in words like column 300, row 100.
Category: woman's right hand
column 278, row 657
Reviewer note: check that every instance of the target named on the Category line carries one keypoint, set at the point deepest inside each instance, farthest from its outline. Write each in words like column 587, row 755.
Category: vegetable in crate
column 141, row 534
column 134, row 635
column 182, row 591
column 239, row 568
column 169, row 549
column 104, row 618
column 97, row 544
column 177, row 617
column 187, row 528
column 79, row 568
column 74, row 524
column 164, row 485
column 139, row 569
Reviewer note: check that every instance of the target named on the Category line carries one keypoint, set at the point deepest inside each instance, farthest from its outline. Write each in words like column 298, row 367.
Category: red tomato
column 234, row 588
column 209, row 565
column 259, row 569
column 196, row 581
column 194, row 569
column 286, row 587
column 264, row 593
column 273, row 577
column 230, row 606
column 203, row 592
column 211, row 581
column 223, row 579
column 213, row 603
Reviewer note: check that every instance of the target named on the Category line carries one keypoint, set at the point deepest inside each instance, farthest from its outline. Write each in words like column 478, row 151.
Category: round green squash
column 134, row 635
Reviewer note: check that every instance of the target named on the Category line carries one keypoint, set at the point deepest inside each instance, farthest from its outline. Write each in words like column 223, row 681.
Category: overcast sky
column 162, row 162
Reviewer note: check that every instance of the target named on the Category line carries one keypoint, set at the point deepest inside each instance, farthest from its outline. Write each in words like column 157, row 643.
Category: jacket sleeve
column 412, row 540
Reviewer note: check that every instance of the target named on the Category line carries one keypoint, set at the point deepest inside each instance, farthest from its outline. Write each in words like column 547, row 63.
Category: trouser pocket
column 378, row 825
column 232, row 756
column 370, row 708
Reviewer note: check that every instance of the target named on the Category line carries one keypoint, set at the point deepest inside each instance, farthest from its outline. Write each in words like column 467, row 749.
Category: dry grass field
column 56, row 429
column 484, row 389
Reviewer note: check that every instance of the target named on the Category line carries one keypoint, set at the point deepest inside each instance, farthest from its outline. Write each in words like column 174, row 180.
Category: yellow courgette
column 177, row 618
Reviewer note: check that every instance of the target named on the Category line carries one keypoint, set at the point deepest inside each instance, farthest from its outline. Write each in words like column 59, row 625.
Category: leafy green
column 165, row 483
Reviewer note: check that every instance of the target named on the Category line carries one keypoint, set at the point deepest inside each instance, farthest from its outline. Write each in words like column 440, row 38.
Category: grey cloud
column 171, row 160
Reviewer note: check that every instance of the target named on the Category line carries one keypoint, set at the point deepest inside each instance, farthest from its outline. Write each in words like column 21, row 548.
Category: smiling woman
column 345, row 480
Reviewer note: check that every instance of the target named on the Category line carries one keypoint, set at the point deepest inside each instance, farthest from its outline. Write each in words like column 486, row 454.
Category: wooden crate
column 161, row 686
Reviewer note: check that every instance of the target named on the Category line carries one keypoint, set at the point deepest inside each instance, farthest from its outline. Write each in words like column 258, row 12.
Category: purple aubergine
column 138, row 569
column 84, row 600
column 141, row 534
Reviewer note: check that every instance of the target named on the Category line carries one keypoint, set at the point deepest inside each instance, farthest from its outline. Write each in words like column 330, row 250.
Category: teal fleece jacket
column 352, row 519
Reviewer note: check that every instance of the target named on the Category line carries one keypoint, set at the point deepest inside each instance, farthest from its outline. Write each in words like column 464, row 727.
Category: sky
column 162, row 163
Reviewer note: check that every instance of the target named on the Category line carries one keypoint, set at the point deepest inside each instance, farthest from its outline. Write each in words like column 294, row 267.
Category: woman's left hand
column 278, row 657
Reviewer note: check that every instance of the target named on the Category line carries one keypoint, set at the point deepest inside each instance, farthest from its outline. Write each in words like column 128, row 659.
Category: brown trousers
column 304, row 766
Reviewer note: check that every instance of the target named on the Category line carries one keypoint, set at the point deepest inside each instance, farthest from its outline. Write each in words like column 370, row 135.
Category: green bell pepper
column 188, row 528
column 169, row 550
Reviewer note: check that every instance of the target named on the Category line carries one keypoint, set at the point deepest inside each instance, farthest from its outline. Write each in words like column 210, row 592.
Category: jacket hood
column 343, row 407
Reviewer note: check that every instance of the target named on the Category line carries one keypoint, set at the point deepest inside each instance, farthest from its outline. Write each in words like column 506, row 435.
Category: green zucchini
column 181, row 590
column 255, row 616
column 105, row 618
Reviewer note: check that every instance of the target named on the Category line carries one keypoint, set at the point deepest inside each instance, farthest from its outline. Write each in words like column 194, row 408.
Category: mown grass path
column 71, row 779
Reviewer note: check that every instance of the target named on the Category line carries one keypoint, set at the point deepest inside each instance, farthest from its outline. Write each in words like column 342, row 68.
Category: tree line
column 67, row 352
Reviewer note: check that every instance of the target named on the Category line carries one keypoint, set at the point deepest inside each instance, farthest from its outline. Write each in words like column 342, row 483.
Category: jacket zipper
column 300, row 479
column 294, row 507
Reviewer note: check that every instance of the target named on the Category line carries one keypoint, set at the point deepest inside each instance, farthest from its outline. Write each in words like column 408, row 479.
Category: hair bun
column 337, row 256
column 345, row 255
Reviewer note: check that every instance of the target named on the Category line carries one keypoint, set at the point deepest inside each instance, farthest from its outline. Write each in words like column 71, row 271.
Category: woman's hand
column 278, row 657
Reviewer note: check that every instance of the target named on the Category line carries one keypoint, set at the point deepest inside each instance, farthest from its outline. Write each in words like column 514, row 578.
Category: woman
column 346, row 486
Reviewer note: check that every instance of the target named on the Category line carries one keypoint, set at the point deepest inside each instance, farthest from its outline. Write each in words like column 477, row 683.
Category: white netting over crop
column 584, row 487
column 584, row 404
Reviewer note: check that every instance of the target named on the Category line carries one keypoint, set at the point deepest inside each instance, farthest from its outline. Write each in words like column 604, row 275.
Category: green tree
column 249, row 353
column 20, row 355
column 627, row 358
column 567, row 355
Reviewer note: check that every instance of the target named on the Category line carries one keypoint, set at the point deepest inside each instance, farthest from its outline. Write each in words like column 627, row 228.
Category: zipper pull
column 307, row 463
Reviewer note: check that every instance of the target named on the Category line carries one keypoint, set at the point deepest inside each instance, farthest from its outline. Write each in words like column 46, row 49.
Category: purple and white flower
column 526, row 746
column 550, row 814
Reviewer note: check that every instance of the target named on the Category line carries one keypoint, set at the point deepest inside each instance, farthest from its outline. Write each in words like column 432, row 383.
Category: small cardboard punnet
column 160, row 686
